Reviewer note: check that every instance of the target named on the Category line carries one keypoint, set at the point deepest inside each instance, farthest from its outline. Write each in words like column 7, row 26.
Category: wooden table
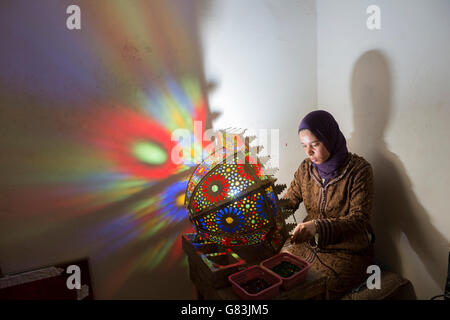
column 314, row 286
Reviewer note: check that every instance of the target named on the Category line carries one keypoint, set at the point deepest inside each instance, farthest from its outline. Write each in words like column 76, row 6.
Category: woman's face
column 314, row 149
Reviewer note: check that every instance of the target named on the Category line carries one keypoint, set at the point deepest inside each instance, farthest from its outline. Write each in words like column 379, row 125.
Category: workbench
column 212, row 284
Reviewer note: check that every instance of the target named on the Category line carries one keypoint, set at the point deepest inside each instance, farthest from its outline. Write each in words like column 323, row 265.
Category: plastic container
column 293, row 280
column 255, row 273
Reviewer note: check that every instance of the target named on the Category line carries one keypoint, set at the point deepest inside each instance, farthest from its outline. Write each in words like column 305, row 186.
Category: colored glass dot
column 214, row 188
column 229, row 220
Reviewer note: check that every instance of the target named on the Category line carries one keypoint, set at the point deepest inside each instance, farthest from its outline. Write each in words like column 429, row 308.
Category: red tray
column 297, row 277
column 239, row 278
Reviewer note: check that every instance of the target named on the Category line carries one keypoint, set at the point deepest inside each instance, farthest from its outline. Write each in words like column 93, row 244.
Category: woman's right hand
column 304, row 232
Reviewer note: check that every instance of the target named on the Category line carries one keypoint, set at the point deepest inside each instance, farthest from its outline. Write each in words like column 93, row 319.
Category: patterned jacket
column 342, row 208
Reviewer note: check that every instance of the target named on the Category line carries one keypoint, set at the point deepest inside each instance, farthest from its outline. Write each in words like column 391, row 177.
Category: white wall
column 261, row 55
column 389, row 90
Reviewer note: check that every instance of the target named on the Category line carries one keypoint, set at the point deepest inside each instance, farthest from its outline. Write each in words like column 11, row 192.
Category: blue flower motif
column 230, row 219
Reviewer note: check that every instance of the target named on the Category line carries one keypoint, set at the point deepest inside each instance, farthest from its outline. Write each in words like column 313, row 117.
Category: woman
column 336, row 188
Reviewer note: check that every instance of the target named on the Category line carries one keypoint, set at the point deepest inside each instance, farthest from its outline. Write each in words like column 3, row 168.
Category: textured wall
column 388, row 89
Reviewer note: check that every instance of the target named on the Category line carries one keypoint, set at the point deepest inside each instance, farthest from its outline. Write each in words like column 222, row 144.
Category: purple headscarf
column 326, row 129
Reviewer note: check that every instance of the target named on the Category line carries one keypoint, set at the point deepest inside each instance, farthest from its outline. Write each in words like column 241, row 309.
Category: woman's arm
column 356, row 224
column 294, row 193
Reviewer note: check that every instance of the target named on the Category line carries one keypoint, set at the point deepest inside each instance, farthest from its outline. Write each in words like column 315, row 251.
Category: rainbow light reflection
column 107, row 100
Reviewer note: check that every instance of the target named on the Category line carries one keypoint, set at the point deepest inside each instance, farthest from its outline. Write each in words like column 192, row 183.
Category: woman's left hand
column 304, row 232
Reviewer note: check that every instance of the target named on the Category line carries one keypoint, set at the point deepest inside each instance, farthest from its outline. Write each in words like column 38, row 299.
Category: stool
column 393, row 287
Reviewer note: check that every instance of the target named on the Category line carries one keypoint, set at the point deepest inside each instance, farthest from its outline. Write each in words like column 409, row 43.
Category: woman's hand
column 304, row 232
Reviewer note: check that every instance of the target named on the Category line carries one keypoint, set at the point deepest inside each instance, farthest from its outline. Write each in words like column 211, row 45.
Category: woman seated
column 336, row 188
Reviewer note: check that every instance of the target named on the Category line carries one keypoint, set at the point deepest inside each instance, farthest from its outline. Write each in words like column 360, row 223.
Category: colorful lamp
column 236, row 204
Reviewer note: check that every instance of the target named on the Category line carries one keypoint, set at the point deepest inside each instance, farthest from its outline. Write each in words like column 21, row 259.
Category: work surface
column 314, row 287
column 206, row 285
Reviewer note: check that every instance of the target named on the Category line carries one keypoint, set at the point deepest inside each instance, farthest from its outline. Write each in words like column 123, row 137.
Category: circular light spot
column 214, row 188
column 149, row 152
column 229, row 220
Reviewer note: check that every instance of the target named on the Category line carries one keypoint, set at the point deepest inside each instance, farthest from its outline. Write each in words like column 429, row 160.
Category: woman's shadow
column 396, row 213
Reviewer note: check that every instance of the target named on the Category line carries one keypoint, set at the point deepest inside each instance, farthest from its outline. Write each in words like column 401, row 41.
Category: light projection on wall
column 87, row 125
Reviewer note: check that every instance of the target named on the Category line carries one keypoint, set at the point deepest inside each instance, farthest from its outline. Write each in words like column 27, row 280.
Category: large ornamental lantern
column 231, row 202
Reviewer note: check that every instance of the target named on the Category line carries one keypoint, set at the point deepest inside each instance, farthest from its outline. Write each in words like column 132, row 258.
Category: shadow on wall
column 396, row 210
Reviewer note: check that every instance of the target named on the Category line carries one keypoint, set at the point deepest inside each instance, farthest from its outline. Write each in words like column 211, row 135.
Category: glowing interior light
column 150, row 153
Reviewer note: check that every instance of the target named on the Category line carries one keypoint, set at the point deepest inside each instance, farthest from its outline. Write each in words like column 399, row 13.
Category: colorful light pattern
column 86, row 123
